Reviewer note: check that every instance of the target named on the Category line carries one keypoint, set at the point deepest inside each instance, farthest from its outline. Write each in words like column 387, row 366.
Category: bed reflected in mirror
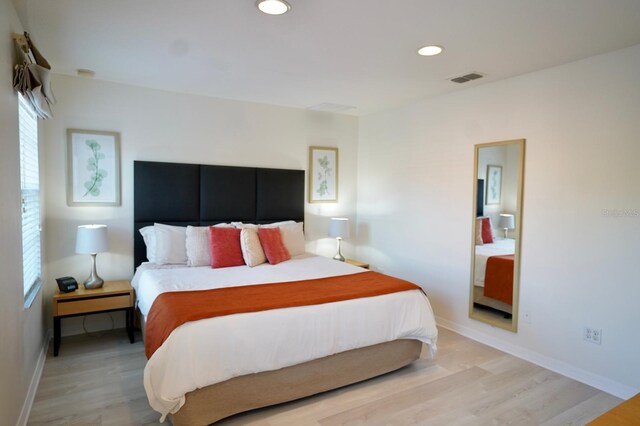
column 497, row 223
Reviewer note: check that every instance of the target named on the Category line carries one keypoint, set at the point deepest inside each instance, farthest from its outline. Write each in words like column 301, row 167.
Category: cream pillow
column 198, row 253
column 479, row 241
column 197, row 244
column 171, row 244
column 293, row 238
column 251, row 248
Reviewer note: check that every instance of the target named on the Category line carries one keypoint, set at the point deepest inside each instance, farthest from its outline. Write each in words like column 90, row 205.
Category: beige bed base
column 212, row 403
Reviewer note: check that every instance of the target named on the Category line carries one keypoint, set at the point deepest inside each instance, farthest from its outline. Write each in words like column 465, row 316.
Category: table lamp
column 339, row 229
column 506, row 222
column 92, row 239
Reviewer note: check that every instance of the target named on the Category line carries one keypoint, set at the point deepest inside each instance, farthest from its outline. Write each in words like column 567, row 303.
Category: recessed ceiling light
column 273, row 7
column 430, row 50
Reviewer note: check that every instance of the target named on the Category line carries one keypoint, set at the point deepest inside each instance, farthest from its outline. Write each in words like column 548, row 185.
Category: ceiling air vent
column 467, row 77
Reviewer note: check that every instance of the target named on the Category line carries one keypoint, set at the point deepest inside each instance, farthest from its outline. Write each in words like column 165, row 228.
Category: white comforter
column 201, row 353
column 483, row 252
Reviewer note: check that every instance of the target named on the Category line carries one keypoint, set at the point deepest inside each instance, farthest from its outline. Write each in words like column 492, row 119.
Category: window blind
column 30, row 188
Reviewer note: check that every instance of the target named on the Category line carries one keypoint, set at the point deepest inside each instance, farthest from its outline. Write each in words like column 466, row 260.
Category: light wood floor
column 98, row 381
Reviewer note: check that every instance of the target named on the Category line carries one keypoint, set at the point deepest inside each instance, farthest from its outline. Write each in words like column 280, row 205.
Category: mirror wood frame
column 473, row 313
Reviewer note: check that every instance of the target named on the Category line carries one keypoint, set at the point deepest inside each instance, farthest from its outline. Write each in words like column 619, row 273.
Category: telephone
column 67, row 284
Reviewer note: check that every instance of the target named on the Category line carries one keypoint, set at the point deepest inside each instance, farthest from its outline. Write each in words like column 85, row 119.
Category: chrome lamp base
column 94, row 281
column 339, row 255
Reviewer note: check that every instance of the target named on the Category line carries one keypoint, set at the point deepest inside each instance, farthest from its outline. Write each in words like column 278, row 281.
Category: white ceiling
column 352, row 52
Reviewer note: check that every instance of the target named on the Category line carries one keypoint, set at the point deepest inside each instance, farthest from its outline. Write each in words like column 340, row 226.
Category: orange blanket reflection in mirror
column 498, row 279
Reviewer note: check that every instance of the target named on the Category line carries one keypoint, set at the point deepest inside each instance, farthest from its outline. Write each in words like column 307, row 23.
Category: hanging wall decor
column 32, row 76
column 323, row 174
column 93, row 168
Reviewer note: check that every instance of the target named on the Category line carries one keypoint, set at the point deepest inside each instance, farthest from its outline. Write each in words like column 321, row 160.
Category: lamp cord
column 97, row 333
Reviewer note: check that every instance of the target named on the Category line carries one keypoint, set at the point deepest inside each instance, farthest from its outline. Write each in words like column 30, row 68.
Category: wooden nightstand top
column 357, row 263
column 109, row 287
column 112, row 295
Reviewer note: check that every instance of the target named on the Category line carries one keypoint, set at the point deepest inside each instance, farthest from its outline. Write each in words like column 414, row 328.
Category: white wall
column 579, row 266
column 22, row 331
column 163, row 126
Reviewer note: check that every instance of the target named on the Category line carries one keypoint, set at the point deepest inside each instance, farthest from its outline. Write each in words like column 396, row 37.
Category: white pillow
column 171, row 244
column 224, row 225
column 279, row 224
column 244, row 225
column 293, row 238
column 252, row 251
column 149, row 237
column 198, row 251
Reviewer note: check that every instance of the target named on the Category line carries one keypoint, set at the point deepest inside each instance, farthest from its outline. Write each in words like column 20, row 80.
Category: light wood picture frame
column 93, row 168
column 494, row 184
column 323, row 174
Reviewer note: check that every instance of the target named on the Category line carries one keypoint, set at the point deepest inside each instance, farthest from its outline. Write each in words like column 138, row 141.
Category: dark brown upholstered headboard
column 202, row 195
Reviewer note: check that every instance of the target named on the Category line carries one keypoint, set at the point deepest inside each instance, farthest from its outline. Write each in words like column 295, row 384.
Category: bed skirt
column 212, row 403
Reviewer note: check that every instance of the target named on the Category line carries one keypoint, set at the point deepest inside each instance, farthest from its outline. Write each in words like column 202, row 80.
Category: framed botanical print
column 494, row 184
column 93, row 168
column 323, row 174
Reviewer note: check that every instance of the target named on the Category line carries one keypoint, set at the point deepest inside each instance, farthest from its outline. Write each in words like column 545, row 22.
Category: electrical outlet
column 593, row 335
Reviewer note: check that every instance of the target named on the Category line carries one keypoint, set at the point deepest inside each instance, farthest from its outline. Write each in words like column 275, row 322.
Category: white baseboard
column 35, row 381
column 599, row 382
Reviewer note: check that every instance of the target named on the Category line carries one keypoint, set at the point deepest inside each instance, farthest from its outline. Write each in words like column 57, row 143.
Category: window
column 30, row 189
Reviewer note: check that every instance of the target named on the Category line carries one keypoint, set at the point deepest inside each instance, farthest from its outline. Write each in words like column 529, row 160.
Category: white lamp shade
column 339, row 227
column 92, row 239
column 506, row 221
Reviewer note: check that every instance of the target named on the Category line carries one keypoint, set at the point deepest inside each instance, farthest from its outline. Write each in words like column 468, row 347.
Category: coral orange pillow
column 487, row 234
column 274, row 248
column 224, row 244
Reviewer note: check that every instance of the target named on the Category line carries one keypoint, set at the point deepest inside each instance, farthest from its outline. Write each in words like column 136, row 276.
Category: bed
column 493, row 274
column 212, row 368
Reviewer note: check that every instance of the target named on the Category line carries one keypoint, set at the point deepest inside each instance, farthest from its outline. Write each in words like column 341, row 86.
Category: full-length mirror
column 497, row 223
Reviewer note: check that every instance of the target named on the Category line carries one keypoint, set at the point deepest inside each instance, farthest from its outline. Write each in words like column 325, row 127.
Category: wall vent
column 467, row 77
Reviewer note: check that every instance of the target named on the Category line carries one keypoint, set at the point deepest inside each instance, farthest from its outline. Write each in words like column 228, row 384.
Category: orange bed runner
column 498, row 278
column 172, row 309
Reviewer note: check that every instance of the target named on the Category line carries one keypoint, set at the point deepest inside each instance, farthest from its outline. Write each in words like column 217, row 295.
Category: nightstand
column 357, row 263
column 113, row 296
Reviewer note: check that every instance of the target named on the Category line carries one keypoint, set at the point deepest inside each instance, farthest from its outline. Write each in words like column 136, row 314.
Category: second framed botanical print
column 323, row 174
